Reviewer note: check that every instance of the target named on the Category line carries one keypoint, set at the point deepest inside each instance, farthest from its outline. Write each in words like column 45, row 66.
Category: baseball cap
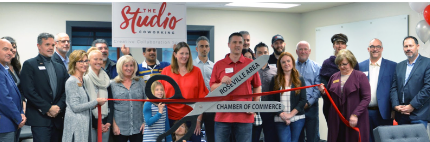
column 277, row 37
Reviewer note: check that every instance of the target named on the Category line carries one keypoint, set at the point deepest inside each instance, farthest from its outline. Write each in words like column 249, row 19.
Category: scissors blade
column 247, row 106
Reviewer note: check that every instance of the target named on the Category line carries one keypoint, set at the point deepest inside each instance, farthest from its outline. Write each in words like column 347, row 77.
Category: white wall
column 351, row 13
column 25, row 21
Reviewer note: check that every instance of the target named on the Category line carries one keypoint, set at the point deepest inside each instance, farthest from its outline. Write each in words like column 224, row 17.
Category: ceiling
column 303, row 8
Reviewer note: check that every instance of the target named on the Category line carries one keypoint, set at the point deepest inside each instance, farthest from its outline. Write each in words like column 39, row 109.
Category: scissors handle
column 192, row 119
column 177, row 95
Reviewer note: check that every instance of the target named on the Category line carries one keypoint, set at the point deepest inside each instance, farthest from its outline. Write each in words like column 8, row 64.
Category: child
column 156, row 122
column 180, row 132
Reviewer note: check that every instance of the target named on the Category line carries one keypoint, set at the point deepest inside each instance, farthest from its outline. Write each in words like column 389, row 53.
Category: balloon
column 426, row 14
column 418, row 6
column 423, row 31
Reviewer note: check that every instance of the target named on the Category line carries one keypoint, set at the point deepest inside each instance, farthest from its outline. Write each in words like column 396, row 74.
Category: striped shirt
column 155, row 122
column 145, row 71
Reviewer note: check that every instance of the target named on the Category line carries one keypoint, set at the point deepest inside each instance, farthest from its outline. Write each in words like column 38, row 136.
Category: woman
column 128, row 115
column 248, row 53
column 289, row 122
column 77, row 120
column 190, row 81
column 14, row 69
column 350, row 91
column 97, row 84
column 329, row 67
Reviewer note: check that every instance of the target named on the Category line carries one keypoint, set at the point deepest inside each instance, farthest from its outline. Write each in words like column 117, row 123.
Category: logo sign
column 147, row 24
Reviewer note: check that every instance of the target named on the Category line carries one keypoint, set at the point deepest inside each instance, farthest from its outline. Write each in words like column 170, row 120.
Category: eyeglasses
column 375, row 47
column 343, row 64
column 82, row 61
column 64, row 41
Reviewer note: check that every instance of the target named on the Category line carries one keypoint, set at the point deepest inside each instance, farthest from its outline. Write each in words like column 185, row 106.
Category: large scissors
column 201, row 107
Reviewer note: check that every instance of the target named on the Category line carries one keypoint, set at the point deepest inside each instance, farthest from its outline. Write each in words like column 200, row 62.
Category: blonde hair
column 345, row 54
column 121, row 61
column 91, row 50
column 174, row 64
column 74, row 57
column 155, row 84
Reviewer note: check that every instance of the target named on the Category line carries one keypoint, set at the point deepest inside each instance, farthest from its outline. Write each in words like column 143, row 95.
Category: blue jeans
column 242, row 131
column 310, row 132
column 404, row 119
column 289, row 133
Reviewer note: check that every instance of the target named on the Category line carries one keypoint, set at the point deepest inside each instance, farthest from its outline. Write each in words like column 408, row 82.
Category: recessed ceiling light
column 261, row 5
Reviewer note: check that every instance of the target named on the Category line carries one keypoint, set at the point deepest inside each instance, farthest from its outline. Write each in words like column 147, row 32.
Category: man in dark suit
column 62, row 46
column 380, row 72
column 11, row 114
column 43, row 83
column 410, row 91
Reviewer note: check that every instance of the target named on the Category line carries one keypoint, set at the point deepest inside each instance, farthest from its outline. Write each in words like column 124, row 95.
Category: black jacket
column 297, row 102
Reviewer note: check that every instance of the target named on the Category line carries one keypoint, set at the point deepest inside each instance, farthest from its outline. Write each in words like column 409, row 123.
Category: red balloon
column 426, row 14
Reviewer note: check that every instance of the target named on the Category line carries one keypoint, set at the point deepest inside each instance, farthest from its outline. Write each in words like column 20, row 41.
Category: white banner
column 148, row 24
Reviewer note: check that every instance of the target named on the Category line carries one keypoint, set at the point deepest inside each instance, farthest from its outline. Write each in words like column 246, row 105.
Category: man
column 43, row 83
column 202, row 61
column 309, row 70
column 62, row 46
column 109, row 66
column 410, row 89
column 246, row 39
column 150, row 66
column 380, row 72
column 239, row 123
column 278, row 46
column 11, row 113
column 266, row 74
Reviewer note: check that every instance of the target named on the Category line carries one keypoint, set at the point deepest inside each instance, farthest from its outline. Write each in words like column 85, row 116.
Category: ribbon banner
column 148, row 24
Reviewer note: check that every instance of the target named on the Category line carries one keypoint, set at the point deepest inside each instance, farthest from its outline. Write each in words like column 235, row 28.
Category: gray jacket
column 77, row 120
column 128, row 115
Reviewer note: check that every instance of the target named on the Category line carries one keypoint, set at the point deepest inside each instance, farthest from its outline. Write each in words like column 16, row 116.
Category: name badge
column 366, row 73
column 146, row 77
column 228, row 70
column 42, row 68
column 273, row 65
column 336, row 81
column 80, row 84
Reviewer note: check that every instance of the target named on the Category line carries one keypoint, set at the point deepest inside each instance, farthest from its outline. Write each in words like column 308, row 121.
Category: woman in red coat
column 350, row 91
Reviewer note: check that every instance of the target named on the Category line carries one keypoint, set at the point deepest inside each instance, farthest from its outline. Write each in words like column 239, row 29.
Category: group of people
column 58, row 95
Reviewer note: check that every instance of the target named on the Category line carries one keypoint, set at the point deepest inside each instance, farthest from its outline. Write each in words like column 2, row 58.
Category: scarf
column 102, row 82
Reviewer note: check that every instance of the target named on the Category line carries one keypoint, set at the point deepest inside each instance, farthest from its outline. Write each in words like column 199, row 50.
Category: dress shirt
column 409, row 68
column 206, row 69
column 266, row 76
column 373, row 80
column 65, row 61
column 310, row 71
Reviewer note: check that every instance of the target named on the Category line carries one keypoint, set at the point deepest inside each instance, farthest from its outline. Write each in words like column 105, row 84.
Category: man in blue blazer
column 11, row 114
column 380, row 72
column 43, row 84
column 410, row 91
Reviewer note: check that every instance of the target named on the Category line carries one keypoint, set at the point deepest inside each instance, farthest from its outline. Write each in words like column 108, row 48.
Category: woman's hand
column 199, row 122
column 160, row 107
column 105, row 127
column 115, row 129
column 321, row 88
column 142, row 127
column 288, row 122
column 353, row 120
column 101, row 101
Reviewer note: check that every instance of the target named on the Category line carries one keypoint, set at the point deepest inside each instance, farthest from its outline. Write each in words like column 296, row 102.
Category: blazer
column 57, row 58
column 10, row 103
column 416, row 90
column 36, row 88
column 78, row 113
column 297, row 102
column 385, row 79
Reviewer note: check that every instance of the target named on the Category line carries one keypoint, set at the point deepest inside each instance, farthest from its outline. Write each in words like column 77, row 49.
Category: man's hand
column 53, row 111
column 398, row 108
column 353, row 120
column 226, row 80
column 407, row 109
column 306, row 106
column 125, row 50
column 24, row 119
column 393, row 114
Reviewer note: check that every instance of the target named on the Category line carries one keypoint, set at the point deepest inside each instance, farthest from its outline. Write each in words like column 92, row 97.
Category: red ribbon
column 229, row 98
column 99, row 124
